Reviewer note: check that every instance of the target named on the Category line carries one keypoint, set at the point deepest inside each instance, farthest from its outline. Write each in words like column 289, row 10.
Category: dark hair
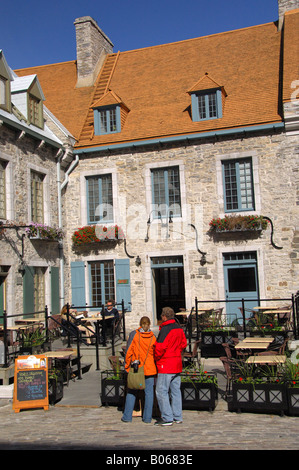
column 168, row 312
column 144, row 320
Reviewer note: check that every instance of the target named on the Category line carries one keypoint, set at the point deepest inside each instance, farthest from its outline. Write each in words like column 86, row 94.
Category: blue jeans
column 149, row 401
column 170, row 407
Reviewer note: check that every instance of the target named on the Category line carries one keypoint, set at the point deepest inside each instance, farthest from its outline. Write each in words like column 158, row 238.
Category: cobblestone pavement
column 94, row 428
column 78, row 422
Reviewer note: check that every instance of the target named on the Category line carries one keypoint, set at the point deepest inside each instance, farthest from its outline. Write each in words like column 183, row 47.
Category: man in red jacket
column 170, row 343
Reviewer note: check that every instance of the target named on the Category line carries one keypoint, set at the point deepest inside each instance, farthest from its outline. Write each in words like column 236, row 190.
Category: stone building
column 174, row 144
column 34, row 151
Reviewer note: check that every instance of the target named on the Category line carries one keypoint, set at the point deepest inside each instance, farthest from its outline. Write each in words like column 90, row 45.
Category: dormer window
column 206, row 105
column 207, row 99
column 35, row 110
column 107, row 120
column 109, row 114
column 5, row 78
column 3, row 92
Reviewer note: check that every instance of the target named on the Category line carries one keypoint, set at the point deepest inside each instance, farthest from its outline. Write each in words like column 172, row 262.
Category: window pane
column 100, row 202
column 37, row 200
column 103, row 122
column 212, row 105
column 202, row 107
column 166, row 191
column 39, row 289
column 2, row 91
column 238, row 185
column 174, row 191
column 112, row 113
column 102, row 282
column 246, row 185
column 2, row 191
column 34, row 110
column 231, row 191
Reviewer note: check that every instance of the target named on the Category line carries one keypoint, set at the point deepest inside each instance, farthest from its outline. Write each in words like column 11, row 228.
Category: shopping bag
column 136, row 380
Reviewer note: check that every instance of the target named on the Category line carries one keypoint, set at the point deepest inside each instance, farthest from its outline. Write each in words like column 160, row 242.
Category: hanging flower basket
column 97, row 234
column 44, row 232
column 238, row 223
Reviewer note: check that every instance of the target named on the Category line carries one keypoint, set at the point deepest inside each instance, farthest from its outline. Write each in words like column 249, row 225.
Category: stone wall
column 23, row 154
column 276, row 182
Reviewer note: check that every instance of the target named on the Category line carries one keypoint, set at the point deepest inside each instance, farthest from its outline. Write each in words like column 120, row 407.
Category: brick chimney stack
column 92, row 47
column 284, row 6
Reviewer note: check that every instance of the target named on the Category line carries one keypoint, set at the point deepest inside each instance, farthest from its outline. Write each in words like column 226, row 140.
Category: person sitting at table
column 111, row 310
column 70, row 322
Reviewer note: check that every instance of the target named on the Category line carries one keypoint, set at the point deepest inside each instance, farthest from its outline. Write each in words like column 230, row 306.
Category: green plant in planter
column 238, row 222
column 290, row 373
column 197, row 375
column 33, row 338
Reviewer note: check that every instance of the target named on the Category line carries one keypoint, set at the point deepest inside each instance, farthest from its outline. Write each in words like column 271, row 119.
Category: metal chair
column 192, row 357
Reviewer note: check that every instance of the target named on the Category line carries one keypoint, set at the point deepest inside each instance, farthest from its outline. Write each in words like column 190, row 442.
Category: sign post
column 31, row 383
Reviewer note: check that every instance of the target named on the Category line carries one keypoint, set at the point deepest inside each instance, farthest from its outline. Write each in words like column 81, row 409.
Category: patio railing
column 100, row 334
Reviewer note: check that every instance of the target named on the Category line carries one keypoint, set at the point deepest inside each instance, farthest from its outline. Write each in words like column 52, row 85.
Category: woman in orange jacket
column 140, row 347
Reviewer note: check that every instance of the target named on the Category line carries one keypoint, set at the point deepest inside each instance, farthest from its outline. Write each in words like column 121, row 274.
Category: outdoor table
column 253, row 345
column 271, row 359
column 258, row 340
column 62, row 356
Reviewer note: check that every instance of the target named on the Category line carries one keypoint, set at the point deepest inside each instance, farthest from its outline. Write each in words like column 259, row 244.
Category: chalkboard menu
column 31, row 383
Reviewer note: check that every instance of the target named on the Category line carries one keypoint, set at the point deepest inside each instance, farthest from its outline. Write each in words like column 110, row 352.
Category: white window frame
column 83, row 191
column 46, row 192
column 148, row 187
column 255, row 176
column 9, row 192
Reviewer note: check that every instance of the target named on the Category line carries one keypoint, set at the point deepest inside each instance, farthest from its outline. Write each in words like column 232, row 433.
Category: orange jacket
column 137, row 351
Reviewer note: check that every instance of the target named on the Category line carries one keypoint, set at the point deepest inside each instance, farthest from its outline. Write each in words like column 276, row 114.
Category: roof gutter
column 181, row 138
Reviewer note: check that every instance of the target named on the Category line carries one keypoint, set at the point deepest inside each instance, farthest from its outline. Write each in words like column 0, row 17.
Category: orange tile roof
column 154, row 83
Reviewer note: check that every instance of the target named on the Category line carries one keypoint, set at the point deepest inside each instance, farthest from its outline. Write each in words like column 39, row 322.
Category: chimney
column 283, row 7
column 92, row 47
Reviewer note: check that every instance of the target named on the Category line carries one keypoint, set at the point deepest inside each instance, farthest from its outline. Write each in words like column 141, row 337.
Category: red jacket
column 169, row 346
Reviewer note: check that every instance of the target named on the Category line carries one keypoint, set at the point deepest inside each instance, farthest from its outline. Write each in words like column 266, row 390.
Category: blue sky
column 38, row 32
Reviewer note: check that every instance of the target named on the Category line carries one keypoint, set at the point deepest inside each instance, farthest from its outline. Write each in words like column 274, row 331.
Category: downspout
column 60, row 243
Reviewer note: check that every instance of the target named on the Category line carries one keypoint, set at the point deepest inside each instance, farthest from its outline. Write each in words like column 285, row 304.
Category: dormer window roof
column 207, row 99
column 5, row 79
column 28, row 97
column 109, row 114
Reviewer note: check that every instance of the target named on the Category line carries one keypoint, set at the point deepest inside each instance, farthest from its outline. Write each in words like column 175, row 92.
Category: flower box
column 55, row 388
column 211, row 342
column 259, row 397
column 198, row 393
column 97, row 234
column 113, row 386
column 44, row 232
column 293, row 398
column 238, row 223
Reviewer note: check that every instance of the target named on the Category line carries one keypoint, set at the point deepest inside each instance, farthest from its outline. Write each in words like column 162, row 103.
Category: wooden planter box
column 198, row 395
column 293, row 400
column 113, row 388
column 55, row 389
column 265, row 398
column 211, row 342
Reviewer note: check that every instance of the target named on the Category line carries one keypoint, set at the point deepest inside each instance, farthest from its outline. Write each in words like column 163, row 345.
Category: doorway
column 168, row 284
column 241, row 282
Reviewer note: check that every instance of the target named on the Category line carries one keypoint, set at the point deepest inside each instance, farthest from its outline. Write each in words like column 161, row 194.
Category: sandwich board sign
column 31, row 383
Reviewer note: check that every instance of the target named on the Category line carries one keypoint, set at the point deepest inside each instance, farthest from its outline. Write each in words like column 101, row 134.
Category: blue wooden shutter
column 55, row 291
column 78, row 283
column 28, row 290
column 122, row 281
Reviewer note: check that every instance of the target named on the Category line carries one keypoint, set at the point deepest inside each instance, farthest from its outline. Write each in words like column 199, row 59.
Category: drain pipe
column 60, row 243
